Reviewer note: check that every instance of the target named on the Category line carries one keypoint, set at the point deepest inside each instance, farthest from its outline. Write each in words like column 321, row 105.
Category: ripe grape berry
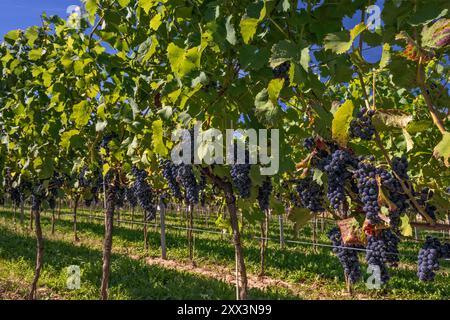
column 376, row 255
column 310, row 194
column 130, row 197
column 169, row 172
column 347, row 257
column 368, row 190
column 309, row 143
column 428, row 259
column 144, row 193
column 425, row 195
column 361, row 126
column 264, row 194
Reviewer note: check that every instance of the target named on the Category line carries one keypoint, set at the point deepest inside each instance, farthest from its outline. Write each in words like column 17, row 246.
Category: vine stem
column 380, row 145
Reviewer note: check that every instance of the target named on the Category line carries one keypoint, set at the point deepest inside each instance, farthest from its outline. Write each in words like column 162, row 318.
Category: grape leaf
column 443, row 149
column 341, row 122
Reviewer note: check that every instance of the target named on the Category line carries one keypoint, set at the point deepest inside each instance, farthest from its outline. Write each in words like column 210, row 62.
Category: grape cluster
column 391, row 242
column 347, row 257
column 169, row 171
column 336, row 169
column 144, row 193
column 361, row 126
column 400, row 166
column 185, row 174
column 264, row 194
column 130, row 197
column 282, row 72
column 425, row 195
column 368, row 190
column 310, row 194
column 83, row 182
column 376, row 255
column 428, row 260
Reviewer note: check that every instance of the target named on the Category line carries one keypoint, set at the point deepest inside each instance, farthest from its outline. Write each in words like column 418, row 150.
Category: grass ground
column 295, row 272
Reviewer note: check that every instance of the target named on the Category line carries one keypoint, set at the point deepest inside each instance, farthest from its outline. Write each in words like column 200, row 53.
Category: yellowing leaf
column 275, row 86
column 341, row 122
column 81, row 113
column 341, row 42
column 66, row 136
column 248, row 28
column 405, row 226
column 155, row 22
column 158, row 143
column 443, row 149
column 183, row 61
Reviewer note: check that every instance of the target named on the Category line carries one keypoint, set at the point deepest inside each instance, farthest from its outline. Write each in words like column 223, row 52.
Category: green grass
column 317, row 274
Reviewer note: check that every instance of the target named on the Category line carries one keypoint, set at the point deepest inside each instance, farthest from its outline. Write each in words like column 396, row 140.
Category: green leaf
column 12, row 36
column 183, row 61
column 81, row 113
column 252, row 57
column 248, row 28
column 443, row 149
column 405, row 226
column 426, row 13
column 341, row 42
column 283, row 51
column 157, row 134
column 66, row 137
column 36, row 54
column 276, row 205
column 91, row 8
column 341, row 122
column 266, row 110
column 300, row 216
column 231, row 33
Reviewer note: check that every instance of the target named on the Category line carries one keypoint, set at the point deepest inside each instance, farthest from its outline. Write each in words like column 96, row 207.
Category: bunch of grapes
column 400, row 167
column 311, row 194
column 144, row 193
column 264, row 194
column 169, row 171
column 391, row 242
column 130, row 197
column 185, row 174
column 368, row 190
column 240, row 176
column 282, row 72
column 428, row 260
column 361, row 126
column 347, row 257
column 336, row 169
column 376, row 255
column 425, row 195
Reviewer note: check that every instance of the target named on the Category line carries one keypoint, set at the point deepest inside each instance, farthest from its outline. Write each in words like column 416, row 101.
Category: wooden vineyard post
column 190, row 231
column 22, row 211
column 39, row 255
column 31, row 220
column 145, row 234
column 281, row 223
column 53, row 221
column 162, row 219
column 75, row 208
column 14, row 214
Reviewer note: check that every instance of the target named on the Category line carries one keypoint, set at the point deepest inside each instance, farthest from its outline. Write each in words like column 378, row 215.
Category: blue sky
column 20, row 14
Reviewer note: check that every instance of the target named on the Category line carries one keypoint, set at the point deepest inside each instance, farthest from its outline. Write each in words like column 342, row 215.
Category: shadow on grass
column 130, row 279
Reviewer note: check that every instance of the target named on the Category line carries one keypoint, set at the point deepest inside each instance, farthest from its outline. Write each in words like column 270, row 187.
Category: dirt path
column 302, row 291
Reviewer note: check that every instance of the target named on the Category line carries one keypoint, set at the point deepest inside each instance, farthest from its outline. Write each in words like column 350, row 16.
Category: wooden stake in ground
column 31, row 220
column 75, row 207
column 39, row 254
column 281, row 223
column 162, row 219
column 189, row 231
column 53, row 221
column 22, row 212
